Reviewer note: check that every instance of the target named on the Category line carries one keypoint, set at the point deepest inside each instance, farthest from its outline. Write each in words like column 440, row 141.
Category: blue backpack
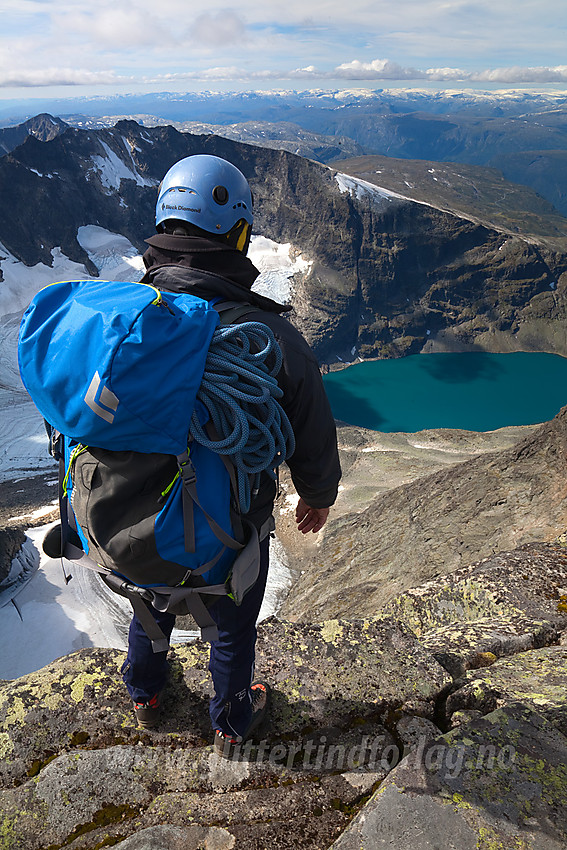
column 164, row 419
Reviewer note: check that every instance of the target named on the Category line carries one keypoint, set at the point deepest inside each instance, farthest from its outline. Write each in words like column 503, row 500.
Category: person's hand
column 310, row 519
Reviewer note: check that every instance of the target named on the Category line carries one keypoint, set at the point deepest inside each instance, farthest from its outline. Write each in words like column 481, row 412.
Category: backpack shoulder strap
column 231, row 311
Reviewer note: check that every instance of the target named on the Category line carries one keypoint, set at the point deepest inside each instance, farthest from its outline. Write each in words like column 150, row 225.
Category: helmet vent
column 220, row 195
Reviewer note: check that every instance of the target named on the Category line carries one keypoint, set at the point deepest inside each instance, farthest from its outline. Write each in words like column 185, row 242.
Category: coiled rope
column 240, row 391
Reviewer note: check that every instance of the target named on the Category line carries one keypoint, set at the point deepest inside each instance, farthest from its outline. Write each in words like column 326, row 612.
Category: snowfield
column 41, row 616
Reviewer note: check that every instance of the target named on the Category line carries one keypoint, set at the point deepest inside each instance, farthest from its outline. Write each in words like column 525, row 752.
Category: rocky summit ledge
column 439, row 722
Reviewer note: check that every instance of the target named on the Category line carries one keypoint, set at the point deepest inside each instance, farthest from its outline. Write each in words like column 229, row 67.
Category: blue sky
column 50, row 47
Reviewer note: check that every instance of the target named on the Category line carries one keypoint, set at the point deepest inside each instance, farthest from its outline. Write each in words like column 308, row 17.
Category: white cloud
column 218, row 29
column 110, row 26
column 219, row 75
column 378, row 69
column 522, row 75
column 109, row 42
column 60, row 77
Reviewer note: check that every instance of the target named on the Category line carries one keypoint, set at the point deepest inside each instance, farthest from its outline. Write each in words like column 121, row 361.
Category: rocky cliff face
column 435, row 525
column 439, row 722
column 470, row 191
column 387, row 275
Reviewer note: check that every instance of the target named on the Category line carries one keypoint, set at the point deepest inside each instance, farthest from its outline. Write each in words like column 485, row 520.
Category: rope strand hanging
column 240, row 392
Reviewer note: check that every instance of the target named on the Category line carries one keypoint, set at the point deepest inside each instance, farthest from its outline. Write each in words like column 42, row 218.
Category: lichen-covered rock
column 76, row 699
column 325, row 672
column 536, row 679
column 301, row 807
column 331, row 681
column 109, row 794
column 77, row 772
column 502, row 606
column 349, row 699
column 125, row 788
column 500, row 783
column 468, row 646
column 413, row 731
column 527, row 581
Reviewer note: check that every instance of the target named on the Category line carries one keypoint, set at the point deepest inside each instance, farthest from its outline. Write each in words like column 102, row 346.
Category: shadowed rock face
column 350, row 699
column 44, row 127
column 387, row 275
column 11, row 540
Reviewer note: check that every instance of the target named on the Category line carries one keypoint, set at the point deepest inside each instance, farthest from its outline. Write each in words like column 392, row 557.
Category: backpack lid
column 115, row 364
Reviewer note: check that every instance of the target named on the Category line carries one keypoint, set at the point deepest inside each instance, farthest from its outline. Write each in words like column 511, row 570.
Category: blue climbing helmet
column 209, row 194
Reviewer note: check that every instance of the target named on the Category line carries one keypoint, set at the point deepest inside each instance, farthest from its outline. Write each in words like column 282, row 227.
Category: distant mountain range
column 231, row 107
column 282, row 135
column 387, row 272
column 523, row 134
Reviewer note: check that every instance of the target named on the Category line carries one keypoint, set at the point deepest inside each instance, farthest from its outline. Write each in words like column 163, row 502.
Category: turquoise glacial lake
column 475, row 391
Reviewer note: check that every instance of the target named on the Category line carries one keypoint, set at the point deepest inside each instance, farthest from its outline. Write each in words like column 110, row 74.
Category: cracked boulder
column 500, row 783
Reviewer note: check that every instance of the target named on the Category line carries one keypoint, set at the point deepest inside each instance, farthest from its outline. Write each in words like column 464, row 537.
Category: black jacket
column 210, row 269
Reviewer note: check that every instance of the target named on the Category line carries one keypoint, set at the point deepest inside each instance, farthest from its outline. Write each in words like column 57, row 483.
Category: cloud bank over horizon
column 354, row 71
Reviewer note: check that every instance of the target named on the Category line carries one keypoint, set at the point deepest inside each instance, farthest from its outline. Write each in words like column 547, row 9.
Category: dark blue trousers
column 231, row 662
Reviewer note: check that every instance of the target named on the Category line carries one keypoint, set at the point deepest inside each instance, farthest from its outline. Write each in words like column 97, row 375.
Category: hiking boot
column 225, row 745
column 147, row 713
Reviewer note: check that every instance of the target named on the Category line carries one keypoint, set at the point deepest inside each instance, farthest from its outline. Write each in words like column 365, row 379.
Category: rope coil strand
column 240, row 392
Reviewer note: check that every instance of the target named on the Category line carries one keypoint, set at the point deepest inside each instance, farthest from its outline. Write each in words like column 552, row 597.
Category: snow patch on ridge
column 362, row 189
column 35, row 171
column 276, row 265
column 112, row 170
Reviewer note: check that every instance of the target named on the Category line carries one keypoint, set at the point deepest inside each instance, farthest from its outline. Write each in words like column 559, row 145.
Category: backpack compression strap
column 190, row 497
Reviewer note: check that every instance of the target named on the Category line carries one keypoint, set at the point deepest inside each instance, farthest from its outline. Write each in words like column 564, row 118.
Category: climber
column 203, row 223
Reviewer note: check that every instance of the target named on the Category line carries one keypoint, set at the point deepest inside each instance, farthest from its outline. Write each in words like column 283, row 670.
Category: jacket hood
column 197, row 252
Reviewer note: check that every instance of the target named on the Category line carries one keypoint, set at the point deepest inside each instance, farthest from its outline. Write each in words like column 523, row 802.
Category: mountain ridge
column 471, row 126
column 43, row 127
column 479, row 193
column 438, row 523
column 387, row 276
